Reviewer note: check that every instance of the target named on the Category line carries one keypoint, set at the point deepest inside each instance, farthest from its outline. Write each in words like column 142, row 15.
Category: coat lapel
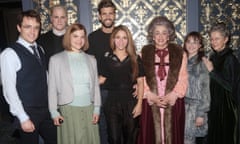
column 66, row 68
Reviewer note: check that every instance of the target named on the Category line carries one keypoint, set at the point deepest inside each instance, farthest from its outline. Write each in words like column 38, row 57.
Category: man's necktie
column 36, row 53
column 161, row 69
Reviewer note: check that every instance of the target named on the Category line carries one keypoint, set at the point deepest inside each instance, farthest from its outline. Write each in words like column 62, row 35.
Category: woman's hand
column 137, row 110
column 101, row 79
column 95, row 118
column 171, row 98
column 208, row 64
column 153, row 98
column 199, row 121
column 58, row 120
column 135, row 91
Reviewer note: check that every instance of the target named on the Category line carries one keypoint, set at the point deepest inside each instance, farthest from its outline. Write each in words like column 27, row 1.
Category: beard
column 107, row 25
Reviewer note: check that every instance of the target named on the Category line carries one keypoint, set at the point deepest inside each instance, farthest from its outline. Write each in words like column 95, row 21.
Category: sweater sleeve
column 52, row 88
column 97, row 99
column 180, row 88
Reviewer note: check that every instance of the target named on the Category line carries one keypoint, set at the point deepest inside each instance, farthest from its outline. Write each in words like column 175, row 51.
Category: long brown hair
column 197, row 37
column 131, row 49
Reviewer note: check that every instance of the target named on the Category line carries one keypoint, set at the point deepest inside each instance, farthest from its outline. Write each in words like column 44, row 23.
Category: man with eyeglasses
column 24, row 81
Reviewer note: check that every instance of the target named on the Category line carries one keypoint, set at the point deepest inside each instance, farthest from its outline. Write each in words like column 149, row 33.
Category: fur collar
column 175, row 59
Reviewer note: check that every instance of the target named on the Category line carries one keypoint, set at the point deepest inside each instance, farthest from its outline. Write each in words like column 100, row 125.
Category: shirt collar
column 25, row 43
column 58, row 33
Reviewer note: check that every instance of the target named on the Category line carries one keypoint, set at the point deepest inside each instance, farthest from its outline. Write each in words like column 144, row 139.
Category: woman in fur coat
column 165, row 65
column 197, row 99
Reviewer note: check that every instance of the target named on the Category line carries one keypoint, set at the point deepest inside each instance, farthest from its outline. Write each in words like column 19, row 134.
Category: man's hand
column 27, row 126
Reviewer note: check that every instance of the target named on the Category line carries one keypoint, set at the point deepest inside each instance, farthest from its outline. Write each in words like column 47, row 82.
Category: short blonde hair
column 56, row 7
column 72, row 28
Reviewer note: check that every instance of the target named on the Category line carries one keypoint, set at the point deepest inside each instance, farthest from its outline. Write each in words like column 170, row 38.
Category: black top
column 99, row 43
column 225, row 75
column 224, row 107
column 119, row 73
column 51, row 44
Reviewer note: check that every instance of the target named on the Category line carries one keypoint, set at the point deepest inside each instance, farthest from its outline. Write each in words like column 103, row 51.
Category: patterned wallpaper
column 137, row 14
column 43, row 7
column 221, row 11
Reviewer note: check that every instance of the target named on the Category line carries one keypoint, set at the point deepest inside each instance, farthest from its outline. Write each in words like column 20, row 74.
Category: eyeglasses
column 31, row 27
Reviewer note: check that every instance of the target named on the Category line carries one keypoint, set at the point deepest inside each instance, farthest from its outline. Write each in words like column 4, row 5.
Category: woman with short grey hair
column 224, row 71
